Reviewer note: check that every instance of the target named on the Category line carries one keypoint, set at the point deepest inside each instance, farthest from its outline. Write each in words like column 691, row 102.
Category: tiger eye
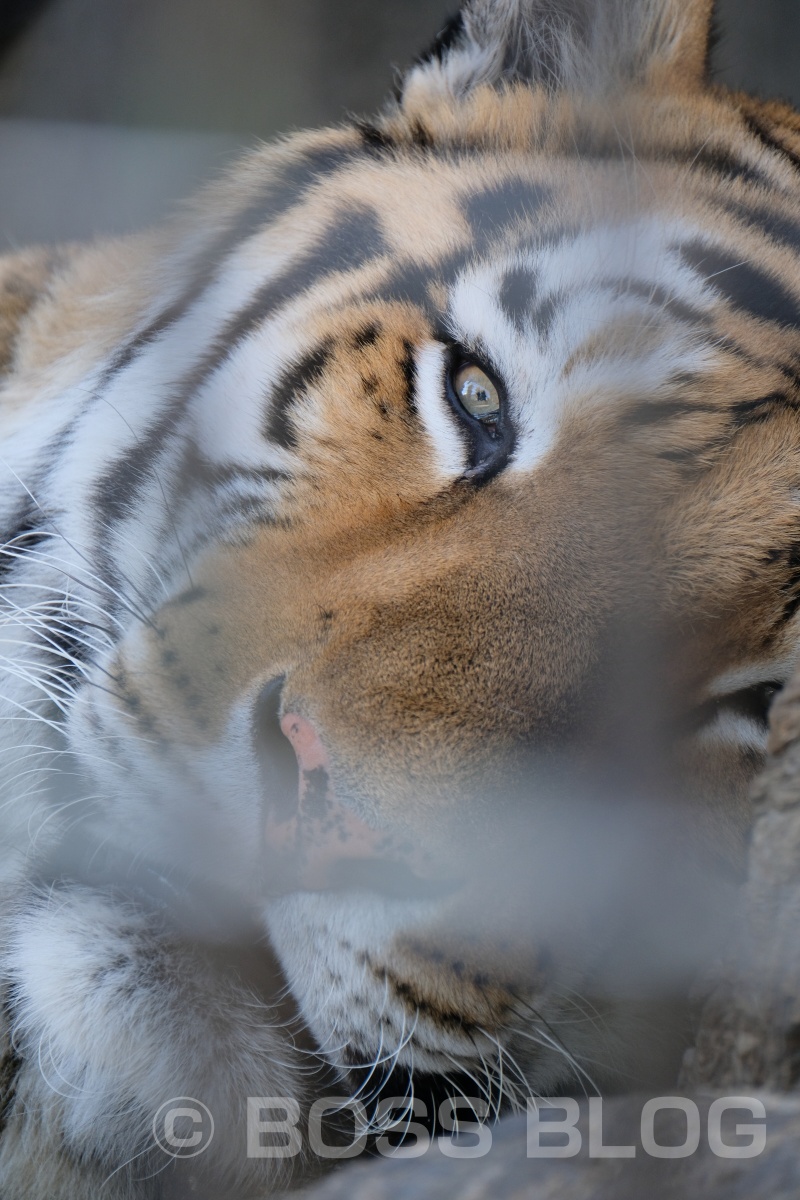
column 476, row 393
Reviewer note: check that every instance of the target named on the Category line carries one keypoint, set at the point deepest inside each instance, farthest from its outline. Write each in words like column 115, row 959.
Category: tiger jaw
column 336, row 948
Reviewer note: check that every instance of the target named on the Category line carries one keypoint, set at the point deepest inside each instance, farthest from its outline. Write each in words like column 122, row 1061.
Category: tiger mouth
column 314, row 842
column 396, row 1098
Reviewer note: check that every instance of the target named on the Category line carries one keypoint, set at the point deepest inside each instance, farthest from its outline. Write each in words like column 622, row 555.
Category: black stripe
column 790, row 372
column 255, row 510
column 411, row 283
column 366, row 336
column 767, row 138
column 688, row 456
column 117, row 492
column 420, row 136
column 720, row 161
column 57, row 639
column 375, row 140
column 491, row 210
column 791, row 606
column 191, row 596
column 294, row 383
column 737, row 351
column 741, row 414
column 517, row 296
column 25, row 527
column 755, row 412
column 10, row 1067
column 653, row 412
column 49, row 462
column 790, row 555
column 549, row 239
column 745, row 286
column 196, row 471
column 60, row 639
column 545, row 313
column 518, row 290
column 717, row 160
column 408, row 367
column 775, row 225
column 219, row 474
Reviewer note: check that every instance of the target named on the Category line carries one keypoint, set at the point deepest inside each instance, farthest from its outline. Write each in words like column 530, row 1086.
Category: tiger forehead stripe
column 349, row 241
column 304, row 167
column 517, row 295
column 745, row 286
column 353, row 238
column 720, row 161
column 491, row 210
column 285, row 190
column 345, row 243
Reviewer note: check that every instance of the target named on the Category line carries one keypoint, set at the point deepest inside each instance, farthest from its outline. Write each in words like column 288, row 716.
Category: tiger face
column 432, row 474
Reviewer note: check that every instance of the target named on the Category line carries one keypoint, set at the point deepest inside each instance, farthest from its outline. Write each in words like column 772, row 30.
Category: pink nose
column 315, row 840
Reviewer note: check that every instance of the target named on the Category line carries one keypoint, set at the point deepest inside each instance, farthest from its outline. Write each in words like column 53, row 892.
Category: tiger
column 425, row 487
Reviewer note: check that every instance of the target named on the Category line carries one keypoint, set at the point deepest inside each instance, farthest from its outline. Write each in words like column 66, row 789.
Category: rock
column 505, row 1173
column 749, row 1032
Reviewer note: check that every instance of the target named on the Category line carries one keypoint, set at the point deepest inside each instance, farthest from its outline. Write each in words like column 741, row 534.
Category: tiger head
column 445, row 489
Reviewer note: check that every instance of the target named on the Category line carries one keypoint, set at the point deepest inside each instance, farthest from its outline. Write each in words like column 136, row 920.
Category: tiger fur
column 243, row 506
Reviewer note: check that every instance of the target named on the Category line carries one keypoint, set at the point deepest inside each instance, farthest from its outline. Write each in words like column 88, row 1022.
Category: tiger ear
column 578, row 45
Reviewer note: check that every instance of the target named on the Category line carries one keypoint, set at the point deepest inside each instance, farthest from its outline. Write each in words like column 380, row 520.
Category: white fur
column 579, row 274
column 77, row 960
column 446, row 439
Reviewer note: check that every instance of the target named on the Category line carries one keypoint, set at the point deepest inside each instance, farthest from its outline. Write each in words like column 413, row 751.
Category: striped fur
column 232, row 469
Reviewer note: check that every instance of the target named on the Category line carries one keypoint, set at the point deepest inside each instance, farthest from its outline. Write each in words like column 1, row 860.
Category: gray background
column 110, row 109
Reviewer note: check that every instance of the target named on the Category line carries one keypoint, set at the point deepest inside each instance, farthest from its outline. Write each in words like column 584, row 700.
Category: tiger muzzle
column 315, row 842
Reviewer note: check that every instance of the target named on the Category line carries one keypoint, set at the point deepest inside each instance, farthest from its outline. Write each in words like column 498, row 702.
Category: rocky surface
column 749, row 1033
column 506, row 1173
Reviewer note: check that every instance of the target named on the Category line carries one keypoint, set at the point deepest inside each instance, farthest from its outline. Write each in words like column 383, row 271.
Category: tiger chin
column 400, row 554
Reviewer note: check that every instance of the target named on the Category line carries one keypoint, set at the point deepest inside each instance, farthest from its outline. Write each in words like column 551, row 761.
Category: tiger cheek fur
column 428, row 487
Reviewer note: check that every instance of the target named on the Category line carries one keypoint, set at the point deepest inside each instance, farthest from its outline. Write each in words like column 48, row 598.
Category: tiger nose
column 321, row 834
column 322, row 844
